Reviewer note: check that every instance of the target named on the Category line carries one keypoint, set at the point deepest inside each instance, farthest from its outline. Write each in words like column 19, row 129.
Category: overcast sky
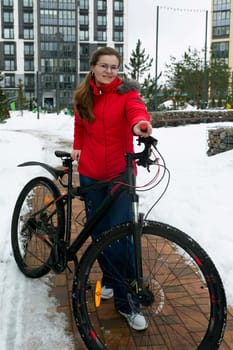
column 182, row 24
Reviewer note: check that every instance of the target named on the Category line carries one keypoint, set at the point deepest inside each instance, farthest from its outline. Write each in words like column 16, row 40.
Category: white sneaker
column 135, row 320
column 106, row 293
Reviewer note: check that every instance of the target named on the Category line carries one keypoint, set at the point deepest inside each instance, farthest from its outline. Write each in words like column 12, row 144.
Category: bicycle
column 176, row 283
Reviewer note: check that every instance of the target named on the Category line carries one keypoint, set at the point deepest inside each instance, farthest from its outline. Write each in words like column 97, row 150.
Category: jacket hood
column 118, row 85
column 128, row 85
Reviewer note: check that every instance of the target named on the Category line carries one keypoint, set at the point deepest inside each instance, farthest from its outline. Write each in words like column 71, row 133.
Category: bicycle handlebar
column 143, row 158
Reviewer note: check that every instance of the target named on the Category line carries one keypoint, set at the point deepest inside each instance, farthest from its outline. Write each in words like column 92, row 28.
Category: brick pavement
column 62, row 290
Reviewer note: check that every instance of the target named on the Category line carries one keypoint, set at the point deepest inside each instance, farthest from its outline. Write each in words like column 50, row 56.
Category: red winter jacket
column 104, row 142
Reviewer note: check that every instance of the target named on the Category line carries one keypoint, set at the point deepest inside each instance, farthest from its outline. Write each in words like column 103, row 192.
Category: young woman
column 108, row 112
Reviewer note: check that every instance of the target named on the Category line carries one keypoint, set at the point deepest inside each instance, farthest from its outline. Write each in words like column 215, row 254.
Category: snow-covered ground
column 199, row 201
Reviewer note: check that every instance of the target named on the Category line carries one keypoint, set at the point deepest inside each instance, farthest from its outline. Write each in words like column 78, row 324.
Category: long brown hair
column 83, row 96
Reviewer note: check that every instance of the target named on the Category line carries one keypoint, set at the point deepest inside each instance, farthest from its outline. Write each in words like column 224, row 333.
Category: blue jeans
column 121, row 254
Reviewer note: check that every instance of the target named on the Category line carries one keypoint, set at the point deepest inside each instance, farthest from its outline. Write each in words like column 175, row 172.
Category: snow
column 199, row 201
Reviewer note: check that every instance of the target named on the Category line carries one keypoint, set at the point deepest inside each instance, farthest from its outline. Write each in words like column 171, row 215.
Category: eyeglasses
column 105, row 66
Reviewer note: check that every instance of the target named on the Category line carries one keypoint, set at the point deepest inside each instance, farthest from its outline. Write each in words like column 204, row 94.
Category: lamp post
column 38, row 93
column 156, row 58
column 205, row 82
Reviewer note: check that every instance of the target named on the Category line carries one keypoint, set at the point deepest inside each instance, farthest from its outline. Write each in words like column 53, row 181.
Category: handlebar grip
column 143, row 127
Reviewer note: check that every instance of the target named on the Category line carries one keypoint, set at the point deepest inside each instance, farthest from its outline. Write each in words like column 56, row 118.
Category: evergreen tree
column 139, row 62
column 4, row 111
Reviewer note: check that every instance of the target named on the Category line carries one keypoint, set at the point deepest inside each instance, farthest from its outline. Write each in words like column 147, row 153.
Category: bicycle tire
column 189, row 309
column 36, row 225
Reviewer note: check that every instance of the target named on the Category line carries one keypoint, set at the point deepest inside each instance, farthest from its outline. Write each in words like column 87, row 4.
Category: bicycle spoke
column 180, row 295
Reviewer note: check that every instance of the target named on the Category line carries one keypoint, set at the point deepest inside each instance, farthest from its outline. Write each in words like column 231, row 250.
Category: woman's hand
column 75, row 154
column 142, row 128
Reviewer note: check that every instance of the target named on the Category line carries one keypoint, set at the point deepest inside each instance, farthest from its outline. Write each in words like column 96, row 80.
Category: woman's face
column 106, row 69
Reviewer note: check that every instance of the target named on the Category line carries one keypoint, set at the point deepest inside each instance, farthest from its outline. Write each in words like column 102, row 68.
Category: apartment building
column 222, row 31
column 46, row 45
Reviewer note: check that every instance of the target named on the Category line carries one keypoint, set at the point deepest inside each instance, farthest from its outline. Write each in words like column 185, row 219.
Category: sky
column 182, row 24
column 198, row 201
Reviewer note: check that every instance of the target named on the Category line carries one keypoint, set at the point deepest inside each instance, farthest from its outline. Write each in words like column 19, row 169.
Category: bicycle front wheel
column 186, row 308
column 38, row 221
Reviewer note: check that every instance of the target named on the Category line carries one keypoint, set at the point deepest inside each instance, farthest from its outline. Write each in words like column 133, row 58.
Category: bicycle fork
column 143, row 292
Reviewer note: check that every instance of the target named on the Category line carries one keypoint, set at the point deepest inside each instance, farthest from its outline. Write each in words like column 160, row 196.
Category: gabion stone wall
column 219, row 140
column 176, row 118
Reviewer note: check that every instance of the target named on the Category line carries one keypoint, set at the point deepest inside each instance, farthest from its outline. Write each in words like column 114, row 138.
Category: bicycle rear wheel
column 38, row 222
column 188, row 308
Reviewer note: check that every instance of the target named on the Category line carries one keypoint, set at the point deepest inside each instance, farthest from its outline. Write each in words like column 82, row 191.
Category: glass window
column 118, row 21
column 29, row 81
column 84, row 50
column 101, row 5
column 84, row 19
column 118, row 5
column 8, row 17
column 220, row 49
column 8, row 33
column 9, row 49
column 28, row 3
column 28, row 17
column 9, row 65
column 84, row 65
column 101, row 35
column 221, row 4
column 29, row 64
column 9, row 80
column 67, row 18
column 101, row 20
column 83, row 35
column 48, row 17
column 28, row 49
column 7, row 2
column 83, row 4
column 28, row 33
column 118, row 36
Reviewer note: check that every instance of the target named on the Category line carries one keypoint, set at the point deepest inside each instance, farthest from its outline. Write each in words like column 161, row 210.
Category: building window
column 101, row 35
column 8, row 17
column 8, row 33
column 28, row 64
column 221, row 5
column 9, row 65
column 29, row 81
column 67, row 18
column 7, row 2
column 118, row 36
column 9, row 49
column 67, row 4
column 84, row 20
column 84, row 65
column 221, row 18
column 83, row 4
column 120, row 49
column 28, row 3
column 118, row 21
column 9, row 80
column 28, row 49
column 84, row 50
column 83, row 35
column 101, row 5
column 48, row 17
column 101, row 20
column 28, row 17
column 221, row 32
column 118, row 6
column 220, row 50
column 28, row 33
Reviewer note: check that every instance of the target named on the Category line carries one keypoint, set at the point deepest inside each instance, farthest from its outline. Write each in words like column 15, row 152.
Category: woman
column 108, row 112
